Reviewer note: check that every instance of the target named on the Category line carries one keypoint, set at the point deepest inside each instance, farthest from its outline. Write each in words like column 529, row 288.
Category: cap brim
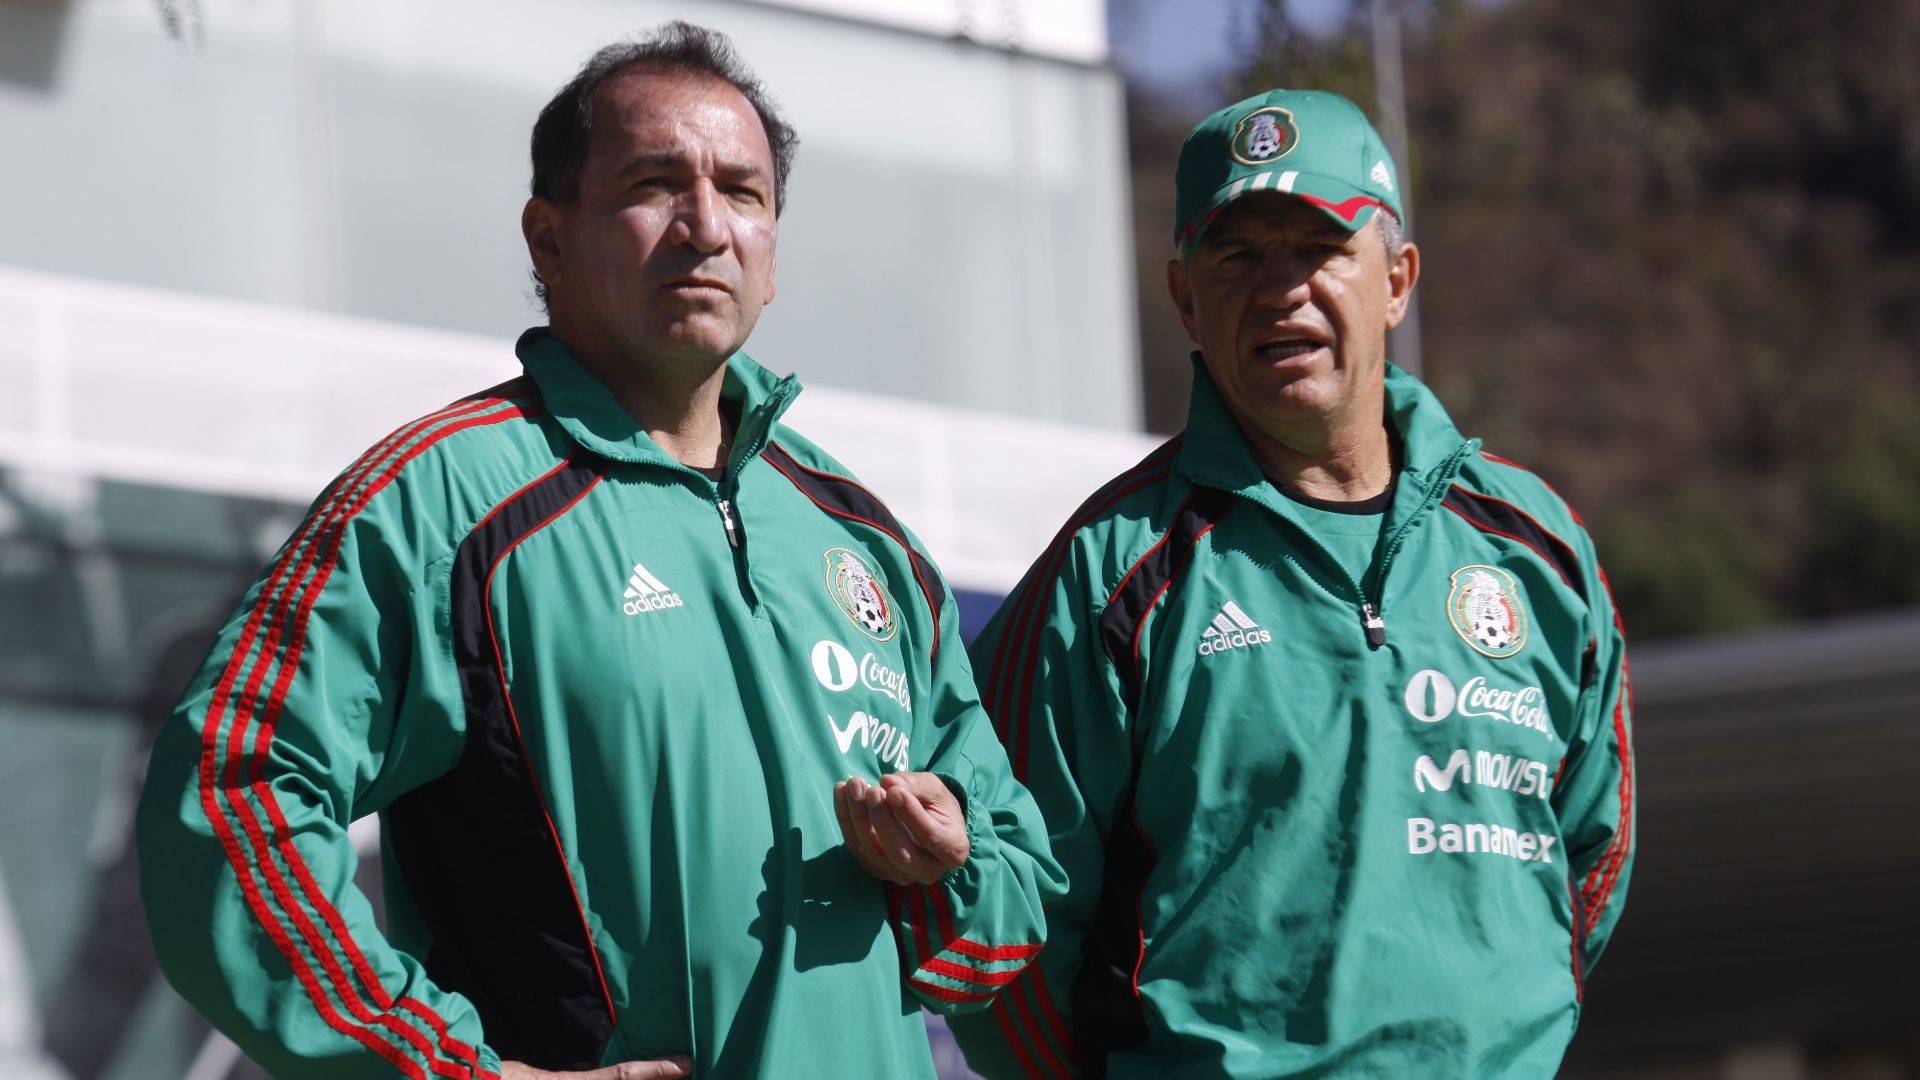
column 1347, row 206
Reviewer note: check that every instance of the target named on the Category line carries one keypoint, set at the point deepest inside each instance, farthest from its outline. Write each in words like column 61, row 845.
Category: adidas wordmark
column 1231, row 629
column 646, row 593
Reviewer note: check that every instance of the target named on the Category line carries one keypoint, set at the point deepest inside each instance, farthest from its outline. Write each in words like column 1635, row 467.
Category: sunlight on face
column 1290, row 311
column 669, row 249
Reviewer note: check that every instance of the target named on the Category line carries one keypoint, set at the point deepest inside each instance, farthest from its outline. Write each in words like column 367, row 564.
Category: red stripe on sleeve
column 1003, row 1015
column 988, row 979
column 993, row 952
column 1028, row 624
column 329, row 522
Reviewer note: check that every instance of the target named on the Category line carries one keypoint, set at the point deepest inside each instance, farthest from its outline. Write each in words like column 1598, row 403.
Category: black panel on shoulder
column 846, row 498
column 1502, row 518
column 1155, row 572
column 476, row 847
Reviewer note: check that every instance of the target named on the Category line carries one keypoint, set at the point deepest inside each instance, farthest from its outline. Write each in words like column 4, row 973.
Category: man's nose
column 700, row 219
column 1284, row 282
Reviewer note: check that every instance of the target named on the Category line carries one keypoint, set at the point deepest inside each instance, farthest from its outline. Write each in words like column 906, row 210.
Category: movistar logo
column 887, row 742
column 1508, row 772
column 1428, row 775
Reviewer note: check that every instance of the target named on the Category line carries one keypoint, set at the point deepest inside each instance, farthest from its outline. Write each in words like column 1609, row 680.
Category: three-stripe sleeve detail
column 229, row 772
column 1010, row 675
column 980, row 968
column 1600, row 881
column 1031, row 1022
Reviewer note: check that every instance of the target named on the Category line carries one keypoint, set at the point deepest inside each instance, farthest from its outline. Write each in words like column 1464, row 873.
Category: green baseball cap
column 1311, row 144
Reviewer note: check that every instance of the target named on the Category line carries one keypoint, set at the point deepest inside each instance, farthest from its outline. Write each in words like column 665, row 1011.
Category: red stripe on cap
column 1346, row 209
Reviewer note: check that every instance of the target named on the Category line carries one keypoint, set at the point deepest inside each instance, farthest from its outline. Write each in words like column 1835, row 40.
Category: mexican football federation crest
column 1264, row 135
column 861, row 595
column 1485, row 609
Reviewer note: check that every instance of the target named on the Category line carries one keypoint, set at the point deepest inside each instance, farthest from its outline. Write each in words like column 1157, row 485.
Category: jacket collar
column 1213, row 451
column 587, row 411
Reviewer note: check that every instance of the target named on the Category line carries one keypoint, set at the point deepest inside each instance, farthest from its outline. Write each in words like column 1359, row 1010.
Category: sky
column 1181, row 47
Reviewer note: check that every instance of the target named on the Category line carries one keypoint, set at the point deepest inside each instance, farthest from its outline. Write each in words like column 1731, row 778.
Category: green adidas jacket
column 600, row 704
column 1313, row 826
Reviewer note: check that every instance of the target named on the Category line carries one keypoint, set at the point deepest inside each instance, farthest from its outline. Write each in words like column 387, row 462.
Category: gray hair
column 1393, row 235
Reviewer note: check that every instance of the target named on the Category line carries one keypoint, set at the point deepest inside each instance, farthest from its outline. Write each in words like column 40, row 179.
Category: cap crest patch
column 1263, row 135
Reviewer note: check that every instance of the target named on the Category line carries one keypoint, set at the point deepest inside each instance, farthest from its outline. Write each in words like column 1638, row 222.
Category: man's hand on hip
column 909, row 829
column 662, row 1069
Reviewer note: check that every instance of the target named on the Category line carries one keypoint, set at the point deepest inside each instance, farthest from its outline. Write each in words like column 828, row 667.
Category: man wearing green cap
column 1326, row 708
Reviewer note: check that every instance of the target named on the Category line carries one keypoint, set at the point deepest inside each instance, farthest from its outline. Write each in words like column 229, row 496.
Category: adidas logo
column 1379, row 175
column 1231, row 629
column 646, row 593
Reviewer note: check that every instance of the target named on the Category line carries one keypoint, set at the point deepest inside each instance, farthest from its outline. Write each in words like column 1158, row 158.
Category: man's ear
column 1181, row 289
column 540, row 224
column 1402, row 275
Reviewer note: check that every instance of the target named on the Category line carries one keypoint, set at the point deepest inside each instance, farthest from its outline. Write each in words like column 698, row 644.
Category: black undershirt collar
column 1364, row 508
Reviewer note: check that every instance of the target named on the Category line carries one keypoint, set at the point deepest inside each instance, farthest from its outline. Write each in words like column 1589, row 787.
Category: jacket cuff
column 979, row 828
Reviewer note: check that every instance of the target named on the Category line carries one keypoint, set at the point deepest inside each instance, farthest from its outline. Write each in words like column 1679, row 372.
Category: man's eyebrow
column 1326, row 230
column 668, row 160
column 655, row 160
column 740, row 171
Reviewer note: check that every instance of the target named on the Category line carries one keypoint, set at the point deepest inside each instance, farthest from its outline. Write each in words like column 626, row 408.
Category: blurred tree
column 1673, row 263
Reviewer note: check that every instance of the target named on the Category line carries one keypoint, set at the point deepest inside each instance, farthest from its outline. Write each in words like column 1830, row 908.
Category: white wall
column 957, row 224
column 128, row 383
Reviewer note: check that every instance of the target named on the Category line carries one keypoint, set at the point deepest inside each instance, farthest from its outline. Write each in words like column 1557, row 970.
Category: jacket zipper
column 1373, row 619
column 736, row 543
column 724, row 498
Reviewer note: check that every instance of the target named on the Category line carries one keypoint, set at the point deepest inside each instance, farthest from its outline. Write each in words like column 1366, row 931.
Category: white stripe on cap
column 1286, row 182
column 1261, row 181
column 1234, row 191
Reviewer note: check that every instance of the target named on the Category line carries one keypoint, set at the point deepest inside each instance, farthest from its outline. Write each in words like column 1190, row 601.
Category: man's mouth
column 1288, row 348
column 697, row 284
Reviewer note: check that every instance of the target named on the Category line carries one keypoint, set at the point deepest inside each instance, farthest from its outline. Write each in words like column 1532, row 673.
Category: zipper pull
column 726, row 517
column 1376, row 626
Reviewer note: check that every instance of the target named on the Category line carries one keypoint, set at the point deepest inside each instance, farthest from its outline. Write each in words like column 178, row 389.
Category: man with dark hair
column 646, row 690
column 1326, row 707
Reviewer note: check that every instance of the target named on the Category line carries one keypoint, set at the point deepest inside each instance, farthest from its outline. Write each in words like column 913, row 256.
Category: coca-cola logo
column 835, row 667
column 1432, row 697
column 1525, row 707
column 878, row 676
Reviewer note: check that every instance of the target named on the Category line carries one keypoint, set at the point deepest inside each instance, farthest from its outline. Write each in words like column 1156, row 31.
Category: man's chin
column 1295, row 398
column 696, row 339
